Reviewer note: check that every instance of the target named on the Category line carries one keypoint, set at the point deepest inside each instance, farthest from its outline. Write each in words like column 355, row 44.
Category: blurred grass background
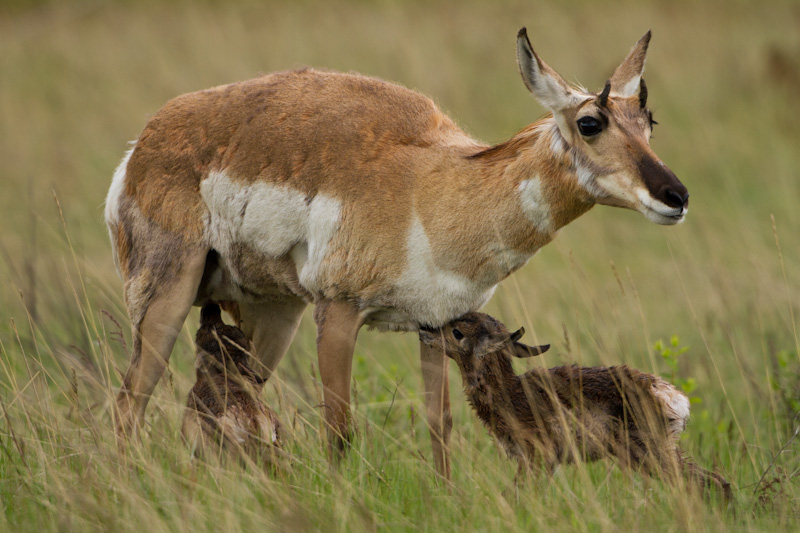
column 79, row 79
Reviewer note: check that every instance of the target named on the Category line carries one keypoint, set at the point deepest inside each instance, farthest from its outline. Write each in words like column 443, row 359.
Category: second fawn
column 562, row 414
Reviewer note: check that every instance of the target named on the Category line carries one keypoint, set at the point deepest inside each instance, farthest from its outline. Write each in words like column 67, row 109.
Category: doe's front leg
column 338, row 323
column 437, row 405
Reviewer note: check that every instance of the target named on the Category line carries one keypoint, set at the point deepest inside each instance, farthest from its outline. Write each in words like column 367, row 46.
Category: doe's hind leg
column 157, row 308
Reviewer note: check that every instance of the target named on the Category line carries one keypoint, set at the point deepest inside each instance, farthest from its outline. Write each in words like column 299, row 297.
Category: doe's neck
column 547, row 183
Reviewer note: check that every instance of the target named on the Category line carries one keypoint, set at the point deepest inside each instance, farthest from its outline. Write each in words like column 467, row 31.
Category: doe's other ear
column 542, row 81
column 626, row 80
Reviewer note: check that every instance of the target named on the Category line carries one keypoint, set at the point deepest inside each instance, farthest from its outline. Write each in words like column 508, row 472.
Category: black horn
column 603, row 98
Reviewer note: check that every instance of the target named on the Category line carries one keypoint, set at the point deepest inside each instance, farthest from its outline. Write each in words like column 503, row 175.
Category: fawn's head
column 472, row 337
column 222, row 348
column 607, row 134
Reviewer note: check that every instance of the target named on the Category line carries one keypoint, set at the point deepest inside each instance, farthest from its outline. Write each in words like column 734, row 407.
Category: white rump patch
column 111, row 212
column 116, row 190
column 267, row 427
column 534, row 205
column 676, row 405
column 231, row 426
column 273, row 219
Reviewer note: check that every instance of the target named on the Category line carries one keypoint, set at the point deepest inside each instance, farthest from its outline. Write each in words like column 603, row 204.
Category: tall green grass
column 80, row 79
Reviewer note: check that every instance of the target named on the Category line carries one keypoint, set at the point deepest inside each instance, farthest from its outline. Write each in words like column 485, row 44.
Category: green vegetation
column 80, row 78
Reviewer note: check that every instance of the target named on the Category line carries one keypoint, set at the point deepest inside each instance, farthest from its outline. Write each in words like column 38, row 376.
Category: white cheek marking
column 617, row 186
column 588, row 180
column 534, row 205
column 549, row 128
column 272, row 219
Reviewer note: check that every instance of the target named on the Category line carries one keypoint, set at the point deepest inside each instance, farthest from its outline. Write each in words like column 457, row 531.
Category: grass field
column 79, row 79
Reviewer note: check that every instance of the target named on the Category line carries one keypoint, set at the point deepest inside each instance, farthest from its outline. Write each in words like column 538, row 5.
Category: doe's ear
column 626, row 80
column 523, row 350
column 542, row 81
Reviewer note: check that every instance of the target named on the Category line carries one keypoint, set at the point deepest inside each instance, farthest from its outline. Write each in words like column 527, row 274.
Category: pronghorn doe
column 558, row 415
column 361, row 197
column 224, row 410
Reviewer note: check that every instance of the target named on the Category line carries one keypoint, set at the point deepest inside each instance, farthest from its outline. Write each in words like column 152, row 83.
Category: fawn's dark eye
column 458, row 335
column 589, row 126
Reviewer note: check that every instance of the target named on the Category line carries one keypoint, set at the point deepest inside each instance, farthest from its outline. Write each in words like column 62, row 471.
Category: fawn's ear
column 517, row 335
column 427, row 336
column 523, row 350
column 488, row 344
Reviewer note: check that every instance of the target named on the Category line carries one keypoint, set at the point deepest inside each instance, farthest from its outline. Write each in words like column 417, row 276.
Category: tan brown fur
column 356, row 195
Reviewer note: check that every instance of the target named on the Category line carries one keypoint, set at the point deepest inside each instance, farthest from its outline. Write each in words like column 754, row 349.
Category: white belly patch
column 427, row 294
column 273, row 219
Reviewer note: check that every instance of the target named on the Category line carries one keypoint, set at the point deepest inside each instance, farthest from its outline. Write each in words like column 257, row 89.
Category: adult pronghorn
column 361, row 197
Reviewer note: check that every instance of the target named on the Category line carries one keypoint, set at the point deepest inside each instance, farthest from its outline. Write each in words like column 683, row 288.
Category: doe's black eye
column 458, row 335
column 589, row 126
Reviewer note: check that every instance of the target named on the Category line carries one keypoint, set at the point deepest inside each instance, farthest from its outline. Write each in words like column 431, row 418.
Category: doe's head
column 473, row 336
column 607, row 134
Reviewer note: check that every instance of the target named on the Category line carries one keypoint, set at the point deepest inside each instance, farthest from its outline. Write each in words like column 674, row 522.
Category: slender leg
column 271, row 326
column 437, row 403
column 705, row 479
column 154, row 335
column 337, row 328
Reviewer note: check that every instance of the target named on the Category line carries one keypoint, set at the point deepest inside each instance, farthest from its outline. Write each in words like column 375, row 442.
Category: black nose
column 674, row 198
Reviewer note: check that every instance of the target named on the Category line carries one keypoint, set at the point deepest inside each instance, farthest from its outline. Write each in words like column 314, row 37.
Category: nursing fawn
column 224, row 410
column 568, row 413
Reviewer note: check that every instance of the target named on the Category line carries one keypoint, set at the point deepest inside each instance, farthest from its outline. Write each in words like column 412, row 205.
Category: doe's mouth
column 663, row 218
